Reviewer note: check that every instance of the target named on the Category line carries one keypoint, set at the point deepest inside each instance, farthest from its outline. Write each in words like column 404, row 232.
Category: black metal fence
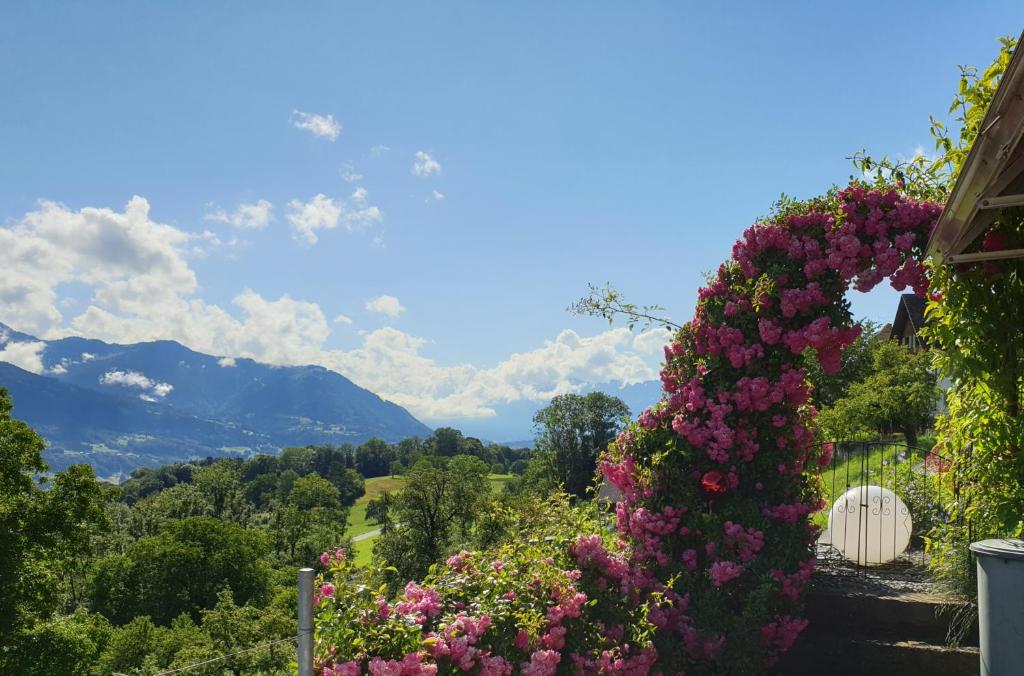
column 882, row 498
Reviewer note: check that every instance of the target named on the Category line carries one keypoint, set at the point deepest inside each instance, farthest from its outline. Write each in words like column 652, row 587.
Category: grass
column 374, row 487
column 875, row 466
column 357, row 523
column 498, row 481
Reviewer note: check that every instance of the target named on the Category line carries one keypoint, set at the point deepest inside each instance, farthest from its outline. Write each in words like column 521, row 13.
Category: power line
column 290, row 639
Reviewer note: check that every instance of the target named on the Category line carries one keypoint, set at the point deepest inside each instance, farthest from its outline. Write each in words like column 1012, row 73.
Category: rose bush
column 713, row 543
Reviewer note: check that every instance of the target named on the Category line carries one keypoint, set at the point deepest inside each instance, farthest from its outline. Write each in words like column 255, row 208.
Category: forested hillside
column 191, row 561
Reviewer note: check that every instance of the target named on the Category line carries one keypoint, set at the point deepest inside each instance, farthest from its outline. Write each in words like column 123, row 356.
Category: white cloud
column 152, row 390
column 247, row 216
column 385, row 305
column 129, row 261
column 308, row 217
column 652, row 341
column 343, row 319
column 324, row 213
column 88, row 356
column 143, row 289
column 349, row 175
column 226, row 362
column 436, row 196
column 379, row 150
column 27, row 355
column 319, row 125
column 425, row 165
column 389, row 363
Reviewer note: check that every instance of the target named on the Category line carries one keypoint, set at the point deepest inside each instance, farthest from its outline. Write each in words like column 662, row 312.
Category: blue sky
column 556, row 143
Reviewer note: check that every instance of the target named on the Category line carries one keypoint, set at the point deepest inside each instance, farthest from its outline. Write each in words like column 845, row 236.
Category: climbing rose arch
column 718, row 481
column 718, row 478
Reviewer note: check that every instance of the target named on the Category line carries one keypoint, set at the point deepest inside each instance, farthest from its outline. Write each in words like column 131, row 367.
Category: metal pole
column 305, row 637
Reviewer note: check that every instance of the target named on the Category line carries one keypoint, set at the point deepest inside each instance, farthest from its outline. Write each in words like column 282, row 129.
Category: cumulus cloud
column 389, row 363
column 385, row 305
column 129, row 260
column 88, row 356
column 325, row 213
column 343, row 319
column 319, row 125
column 379, row 150
column 143, row 289
column 425, row 165
column 306, row 218
column 152, row 390
column 25, row 355
column 254, row 216
column 226, row 362
column 435, row 196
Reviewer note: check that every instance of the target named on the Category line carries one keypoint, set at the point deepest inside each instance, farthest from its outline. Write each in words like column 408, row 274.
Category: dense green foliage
column 45, row 532
column 190, row 561
column 898, row 394
column 573, row 430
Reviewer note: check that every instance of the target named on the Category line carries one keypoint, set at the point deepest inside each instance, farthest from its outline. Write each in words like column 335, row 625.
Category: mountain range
column 118, row 407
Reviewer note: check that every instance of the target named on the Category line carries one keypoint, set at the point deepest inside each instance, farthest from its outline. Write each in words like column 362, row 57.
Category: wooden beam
column 985, row 256
column 1010, row 174
column 979, row 224
column 1001, row 202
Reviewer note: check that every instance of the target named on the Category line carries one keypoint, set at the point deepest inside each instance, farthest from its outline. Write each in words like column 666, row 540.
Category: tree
column 181, row 570
column 374, row 457
column 336, row 465
column 572, row 430
column 45, row 533
column 299, row 460
column 444, row 441
column 66, row 644
column 221, row 484
column 899, row 395
column 409, row 450
column 351, row 486
column 378, row 510
column 311, row 519
column 440, row 500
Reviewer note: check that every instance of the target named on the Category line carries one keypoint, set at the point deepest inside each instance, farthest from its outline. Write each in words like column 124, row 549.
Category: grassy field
column 374, row 487
column 357, row 523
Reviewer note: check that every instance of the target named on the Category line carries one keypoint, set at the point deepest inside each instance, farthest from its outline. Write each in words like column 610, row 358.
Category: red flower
column 994, row 241
column 713, row 482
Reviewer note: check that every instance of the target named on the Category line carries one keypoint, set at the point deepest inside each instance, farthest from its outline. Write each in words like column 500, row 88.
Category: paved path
column 366, row 536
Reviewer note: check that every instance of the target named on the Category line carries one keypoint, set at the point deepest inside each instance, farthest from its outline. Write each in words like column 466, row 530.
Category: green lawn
column 374, row 487
column 879, row 466
column 357, row 523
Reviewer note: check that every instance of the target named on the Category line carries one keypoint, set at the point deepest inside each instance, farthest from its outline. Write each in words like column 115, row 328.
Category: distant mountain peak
column 160, row 401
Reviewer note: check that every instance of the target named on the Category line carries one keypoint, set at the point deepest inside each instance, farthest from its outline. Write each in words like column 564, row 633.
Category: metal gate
column 878, row 496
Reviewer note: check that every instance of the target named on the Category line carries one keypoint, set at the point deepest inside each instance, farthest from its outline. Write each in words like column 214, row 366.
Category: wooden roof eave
column 992, row 177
